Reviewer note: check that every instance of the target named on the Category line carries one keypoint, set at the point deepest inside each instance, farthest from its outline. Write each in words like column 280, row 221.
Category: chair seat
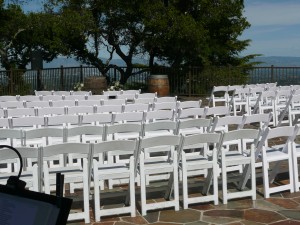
column 276, row 155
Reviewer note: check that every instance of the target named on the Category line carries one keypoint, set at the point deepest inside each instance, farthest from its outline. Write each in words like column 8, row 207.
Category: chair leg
column 184, row 186
column 224, row 183
column 143, row 188
column 266, row 179
column 176, row 185
column 86, row 192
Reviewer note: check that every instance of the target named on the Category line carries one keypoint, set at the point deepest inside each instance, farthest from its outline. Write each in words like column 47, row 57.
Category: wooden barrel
column 95, row 84
column 159, row 84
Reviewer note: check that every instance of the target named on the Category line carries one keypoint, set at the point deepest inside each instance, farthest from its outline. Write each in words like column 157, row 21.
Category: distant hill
column 278, row 61
column 71, row 62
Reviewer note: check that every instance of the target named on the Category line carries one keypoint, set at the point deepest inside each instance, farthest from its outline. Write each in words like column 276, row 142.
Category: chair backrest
column 8, row 98
column 130, row 91
column 124, row 128
column 43, row 136
column 158, row 126
column 29, row 98
column 190, row 141
column 157, row 115
column 218, row 111
column 11, row 136
column 116, row 146
column 253, row 120
column 189, row 104
column 96, row 118
column 89, row 102
column 113, row 102
column 112, row 93
column 249, row 136
column 79, row 110
column 28, row 122
column 39, row 104
column 38, row 93
column 83, row 93
column 128, row 97
column 190, row 113
column 62, row 120
column 60, row 93
column 191, row 126
column 165, row 99
column 128, row 117
column 81, row 132
column 144, row 100
column 52, row 97
column 226, row 123
column 146, row 95
column 164, row 106
column 12, row 104
column 5, row 122
column 63, row 103
column 21, row 112
column 97, row 97
column 75, row 97
column 136, row 107
column 109, row 108
column 51, row 111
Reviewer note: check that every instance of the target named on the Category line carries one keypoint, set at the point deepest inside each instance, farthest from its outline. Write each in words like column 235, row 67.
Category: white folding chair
column 272, row 155
column 193, row 126
column 5, row 122
column 226, row 123
column 232, row 157
column 219, row 94
column 198, row 165
column 266, row 104
column 112, row 93
column 112, row 170
column 295, row 157
column 217, row 111
column 159, row 128
column 8, row 98
column 30, row 176
column 81, row 93
column 72, row 174
column 146, row 167
column 84, row 134
column 239, row 101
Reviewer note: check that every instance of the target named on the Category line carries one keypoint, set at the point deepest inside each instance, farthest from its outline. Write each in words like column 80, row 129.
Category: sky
column 274, row 31
column 275, row 27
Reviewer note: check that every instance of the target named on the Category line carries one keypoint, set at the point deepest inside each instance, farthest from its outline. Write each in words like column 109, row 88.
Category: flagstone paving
column 279, row 209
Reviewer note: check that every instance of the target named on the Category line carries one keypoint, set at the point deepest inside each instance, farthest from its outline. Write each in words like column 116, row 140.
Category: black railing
column 191, row 81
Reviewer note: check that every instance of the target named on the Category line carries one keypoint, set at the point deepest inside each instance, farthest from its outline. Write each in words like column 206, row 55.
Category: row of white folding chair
column 223, row 94
column 71, row 92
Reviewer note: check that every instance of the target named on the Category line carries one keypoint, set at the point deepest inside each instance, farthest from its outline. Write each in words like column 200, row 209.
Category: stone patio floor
column 279, row 209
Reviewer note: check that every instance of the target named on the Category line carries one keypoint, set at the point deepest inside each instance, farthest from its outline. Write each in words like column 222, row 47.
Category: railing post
column 190, row 81
column 11, row 78
column 62, row 78
column 81, row 74
column 272, row 73
column 39, row 80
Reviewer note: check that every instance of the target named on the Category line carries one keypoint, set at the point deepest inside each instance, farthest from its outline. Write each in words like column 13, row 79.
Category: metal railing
column 191, row 81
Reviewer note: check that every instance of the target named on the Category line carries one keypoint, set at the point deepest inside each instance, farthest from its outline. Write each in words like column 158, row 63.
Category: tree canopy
column 176, row 32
